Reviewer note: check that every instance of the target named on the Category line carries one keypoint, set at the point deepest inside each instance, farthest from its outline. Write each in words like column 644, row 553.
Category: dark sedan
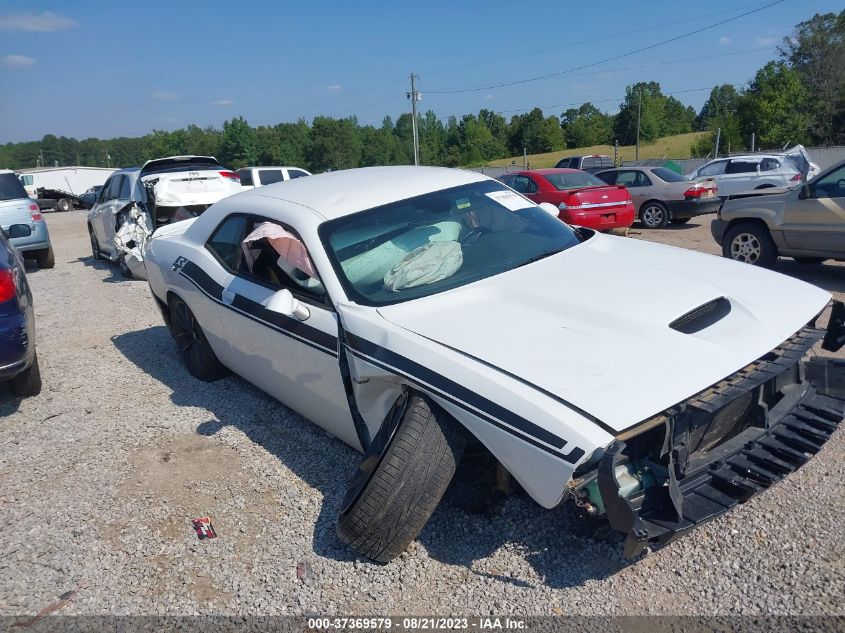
column 18, row 361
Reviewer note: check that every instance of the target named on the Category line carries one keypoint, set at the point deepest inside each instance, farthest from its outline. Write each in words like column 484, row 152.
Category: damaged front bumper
column 723, row 446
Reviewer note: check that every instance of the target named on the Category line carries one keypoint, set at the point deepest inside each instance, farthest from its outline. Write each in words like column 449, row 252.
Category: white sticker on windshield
column 510, row 200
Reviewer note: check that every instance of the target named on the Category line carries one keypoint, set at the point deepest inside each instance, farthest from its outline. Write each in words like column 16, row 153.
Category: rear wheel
column 28, row 382
column 45, row 257
column 750, row 243
column 654, row 215
column 199, row 358
column 680, row 220
column 400, row 482
column 64, row 204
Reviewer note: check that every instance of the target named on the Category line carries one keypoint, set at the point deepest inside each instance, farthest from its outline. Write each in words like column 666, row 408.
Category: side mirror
column 283, row 302
column 19, row 230
column 549, row 208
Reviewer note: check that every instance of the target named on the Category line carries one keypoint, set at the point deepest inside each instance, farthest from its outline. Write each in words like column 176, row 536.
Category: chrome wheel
column 745, row 247
column 654, row 216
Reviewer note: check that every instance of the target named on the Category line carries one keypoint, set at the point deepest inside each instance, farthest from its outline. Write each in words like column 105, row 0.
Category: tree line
column 797, row 98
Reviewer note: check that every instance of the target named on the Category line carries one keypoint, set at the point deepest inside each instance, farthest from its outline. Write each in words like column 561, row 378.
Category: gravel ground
column 101, row 473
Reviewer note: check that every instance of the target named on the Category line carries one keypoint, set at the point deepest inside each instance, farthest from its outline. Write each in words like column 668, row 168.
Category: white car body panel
column 543, row 364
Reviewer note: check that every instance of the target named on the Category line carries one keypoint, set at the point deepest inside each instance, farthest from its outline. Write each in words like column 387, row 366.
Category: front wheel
column 45, row 257
column 95, row 245
column 654, row 215
column 750, row 244
column 197, row 355
column 399, row 485
column 28, row 382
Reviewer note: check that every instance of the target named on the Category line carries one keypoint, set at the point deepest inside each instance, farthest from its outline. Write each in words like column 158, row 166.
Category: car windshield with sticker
column 438, row 241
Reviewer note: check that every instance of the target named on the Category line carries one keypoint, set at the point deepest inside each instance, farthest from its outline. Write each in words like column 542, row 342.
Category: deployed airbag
column 290, row 248
column 427, row 264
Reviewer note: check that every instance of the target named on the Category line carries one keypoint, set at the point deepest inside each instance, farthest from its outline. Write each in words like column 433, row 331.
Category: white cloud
column 17, row 61
column 165, row 95
column 764, row 41
column 335, row 88
column 725, row 40
column 223, row 102
column 29, row 22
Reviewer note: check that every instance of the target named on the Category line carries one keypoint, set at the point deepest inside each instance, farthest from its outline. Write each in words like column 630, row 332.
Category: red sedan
column 582, row 198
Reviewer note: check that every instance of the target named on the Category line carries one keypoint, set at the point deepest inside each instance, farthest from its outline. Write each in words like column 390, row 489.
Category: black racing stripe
column 286, row 323
column 454, row 389
column 253, row 310
column 572, row 457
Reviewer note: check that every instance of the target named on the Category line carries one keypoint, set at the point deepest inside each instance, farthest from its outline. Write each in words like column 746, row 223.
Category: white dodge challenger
column 411, row 310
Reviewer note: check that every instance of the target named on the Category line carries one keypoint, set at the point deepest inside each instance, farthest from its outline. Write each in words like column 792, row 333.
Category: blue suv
column 18, row 361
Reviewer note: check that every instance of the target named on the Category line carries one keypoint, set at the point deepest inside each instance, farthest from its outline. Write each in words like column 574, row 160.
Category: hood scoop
column 702, row 317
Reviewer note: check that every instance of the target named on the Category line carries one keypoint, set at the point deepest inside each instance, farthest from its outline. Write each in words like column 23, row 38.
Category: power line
column 608, row 59
column 569, row 45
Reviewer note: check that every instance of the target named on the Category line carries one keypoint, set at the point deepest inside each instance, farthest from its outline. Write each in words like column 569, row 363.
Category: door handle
column 228, row 296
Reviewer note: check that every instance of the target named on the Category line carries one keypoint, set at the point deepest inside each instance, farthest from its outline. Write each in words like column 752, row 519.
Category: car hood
column 591, row 324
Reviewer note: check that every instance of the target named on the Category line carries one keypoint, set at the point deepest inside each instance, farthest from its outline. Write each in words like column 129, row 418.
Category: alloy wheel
column 746, row 248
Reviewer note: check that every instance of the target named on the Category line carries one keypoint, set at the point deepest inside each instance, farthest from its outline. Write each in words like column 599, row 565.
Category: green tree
column 586, row 126
column 237, row 145
column 433, row 139
column 334, row 144
column 775, row 107
column 719, row 112
column 816, row 51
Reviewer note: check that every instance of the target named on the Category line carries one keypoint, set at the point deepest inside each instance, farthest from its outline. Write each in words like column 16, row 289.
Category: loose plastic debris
column 203, row 528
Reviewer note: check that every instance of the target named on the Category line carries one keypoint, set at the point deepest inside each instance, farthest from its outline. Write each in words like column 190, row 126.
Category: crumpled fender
column 132, row 234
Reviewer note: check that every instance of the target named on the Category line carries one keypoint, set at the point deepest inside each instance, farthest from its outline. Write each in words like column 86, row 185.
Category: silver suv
column 805, row 221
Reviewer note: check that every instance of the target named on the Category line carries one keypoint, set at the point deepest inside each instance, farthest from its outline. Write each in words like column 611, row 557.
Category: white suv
column 252, row 177
column 738, row 174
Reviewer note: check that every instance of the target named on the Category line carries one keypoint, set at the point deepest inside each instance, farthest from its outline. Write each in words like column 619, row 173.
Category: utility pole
column 414, row 96
column 718, row 137
column 525, row 158
column 639, row 108
column 753, row 139
column 616, row 152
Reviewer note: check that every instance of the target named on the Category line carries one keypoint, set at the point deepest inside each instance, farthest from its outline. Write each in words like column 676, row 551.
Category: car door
column 815, row 220
column 715, row 170
column 122, row 196
column 741, row 175
column 294, row 361
column 103, row 212
column 638, row 184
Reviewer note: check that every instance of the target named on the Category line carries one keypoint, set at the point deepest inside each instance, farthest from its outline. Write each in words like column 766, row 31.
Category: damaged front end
column 133, row 229
column 719, row 448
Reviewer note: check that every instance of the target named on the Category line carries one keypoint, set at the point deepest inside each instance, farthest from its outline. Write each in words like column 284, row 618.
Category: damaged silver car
column 135, row 201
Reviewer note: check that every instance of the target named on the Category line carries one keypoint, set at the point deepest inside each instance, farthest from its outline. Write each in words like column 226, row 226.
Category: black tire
column 45, row 258
column 28, row 382
column 385, row 509
column 95, row 245
column 197, row 355
column 750, row 243
column 810, row 261
column 64, row 204
column 124, row 267
column 654, row 215
column 680, row 220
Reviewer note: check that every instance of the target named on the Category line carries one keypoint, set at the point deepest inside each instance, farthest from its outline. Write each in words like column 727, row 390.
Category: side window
column 532, row 186
column 742, row 167
column 520, row 184
column 296, row 173
column 632, row 179
column 277, row 256
column 269, row 176
column 716, row 168
column 608, row 176
column 125, row 188
column 246, row 177
column 104, row 192
column 114, row 189
column 225, row 242
column 830, row 186
column 769, row 164
column 26, row 179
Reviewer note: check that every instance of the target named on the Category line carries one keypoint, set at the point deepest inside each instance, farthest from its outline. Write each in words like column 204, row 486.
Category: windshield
column 11, row 188
column 440, row 240
column 667, row 175
column 574, row 180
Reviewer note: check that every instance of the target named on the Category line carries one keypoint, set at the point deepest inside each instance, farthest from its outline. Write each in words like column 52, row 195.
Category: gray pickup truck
column 805, row 222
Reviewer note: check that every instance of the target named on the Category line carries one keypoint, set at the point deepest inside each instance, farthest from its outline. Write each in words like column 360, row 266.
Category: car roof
column 339, row 193
column 549, row 170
